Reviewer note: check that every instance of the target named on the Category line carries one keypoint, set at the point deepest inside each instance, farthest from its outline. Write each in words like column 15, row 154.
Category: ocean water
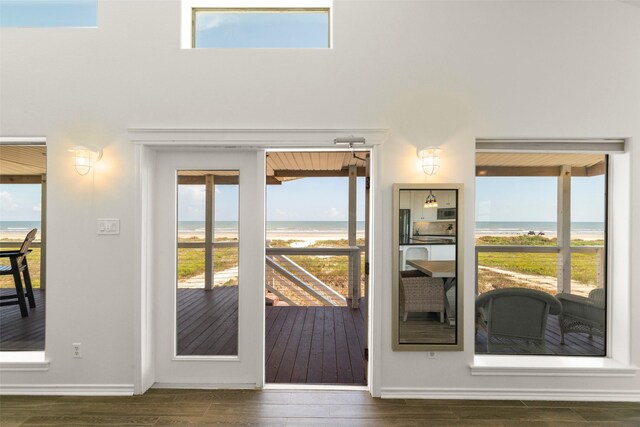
column 332, row 227
column 17, row 226
column 519, row 227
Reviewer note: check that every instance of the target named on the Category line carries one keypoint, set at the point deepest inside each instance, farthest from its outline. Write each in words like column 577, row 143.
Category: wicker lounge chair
column 582, row 314
column 421, row 294
column 514, row 317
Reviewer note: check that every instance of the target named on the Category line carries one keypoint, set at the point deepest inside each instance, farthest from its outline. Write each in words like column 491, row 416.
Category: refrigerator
column 405, row 225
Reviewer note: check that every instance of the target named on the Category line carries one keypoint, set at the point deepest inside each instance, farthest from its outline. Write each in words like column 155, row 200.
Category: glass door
column 209, row 305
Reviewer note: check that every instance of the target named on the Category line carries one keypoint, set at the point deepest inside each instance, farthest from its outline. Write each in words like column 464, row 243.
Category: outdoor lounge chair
column 582, row 314
column 515, row 316
column 421, row 294
column 18, row 261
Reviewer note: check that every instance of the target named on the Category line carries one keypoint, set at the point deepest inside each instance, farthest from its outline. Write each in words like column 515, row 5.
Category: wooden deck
column 22, row 333
column 575, row 344
column 315, row 345
column 321, row 345
column 207, row 321
column 308, row 345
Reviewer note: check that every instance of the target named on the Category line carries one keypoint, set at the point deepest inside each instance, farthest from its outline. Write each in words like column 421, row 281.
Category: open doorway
column 316, row 289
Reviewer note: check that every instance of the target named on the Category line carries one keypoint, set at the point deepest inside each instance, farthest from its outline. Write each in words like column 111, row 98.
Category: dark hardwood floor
column 304, row 408
column 22, row 333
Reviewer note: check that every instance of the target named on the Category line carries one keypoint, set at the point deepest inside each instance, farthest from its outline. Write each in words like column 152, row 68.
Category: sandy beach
column 574, row 236
column 310, row 236
column 305, row 237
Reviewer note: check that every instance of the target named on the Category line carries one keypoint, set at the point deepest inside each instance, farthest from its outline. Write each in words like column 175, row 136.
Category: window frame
column 33, row 360
column 191, row 7
column 556, row 249
column 618, row 362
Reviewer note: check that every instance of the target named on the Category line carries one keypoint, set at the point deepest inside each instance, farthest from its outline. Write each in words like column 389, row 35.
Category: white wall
column 435, row 73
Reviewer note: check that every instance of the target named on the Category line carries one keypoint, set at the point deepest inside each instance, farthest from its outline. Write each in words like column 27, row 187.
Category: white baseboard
column 212, row 386
column 511, row 394
column 67, row 389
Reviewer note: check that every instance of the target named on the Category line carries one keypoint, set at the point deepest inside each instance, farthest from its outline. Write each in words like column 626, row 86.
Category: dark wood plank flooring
column 208, row 321
column 22, row 333
column 307, row 345
column 575, row 344
column 304, row 408
column 425, row 328
column 315, row 345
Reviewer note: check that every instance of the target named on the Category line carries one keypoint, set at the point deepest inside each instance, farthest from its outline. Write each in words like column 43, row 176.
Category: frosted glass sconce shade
column 430, row 160
column 84, row 158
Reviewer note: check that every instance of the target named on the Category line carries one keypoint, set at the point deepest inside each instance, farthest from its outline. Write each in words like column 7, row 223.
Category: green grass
column 583, row 265
column 531, row 241
column 33, row 259
column 191, row 261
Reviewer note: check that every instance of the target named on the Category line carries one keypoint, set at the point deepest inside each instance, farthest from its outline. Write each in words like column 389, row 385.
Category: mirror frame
column 395, row 300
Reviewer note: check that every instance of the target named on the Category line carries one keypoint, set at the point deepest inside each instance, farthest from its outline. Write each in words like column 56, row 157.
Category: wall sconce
column 84, row 158
column 430, row 160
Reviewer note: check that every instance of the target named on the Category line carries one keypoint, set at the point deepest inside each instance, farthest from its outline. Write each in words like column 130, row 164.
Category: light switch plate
column 108, row 226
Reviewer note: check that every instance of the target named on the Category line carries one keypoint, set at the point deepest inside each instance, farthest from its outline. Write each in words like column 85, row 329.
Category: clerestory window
column 249, row 25
column 48, row 13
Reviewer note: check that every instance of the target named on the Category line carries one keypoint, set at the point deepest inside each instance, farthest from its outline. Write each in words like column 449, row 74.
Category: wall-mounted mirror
column 427, row 267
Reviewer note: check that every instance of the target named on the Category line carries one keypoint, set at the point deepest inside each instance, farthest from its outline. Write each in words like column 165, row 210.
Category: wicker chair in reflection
column 515, row 317
column 421, row 294
column 582, row 314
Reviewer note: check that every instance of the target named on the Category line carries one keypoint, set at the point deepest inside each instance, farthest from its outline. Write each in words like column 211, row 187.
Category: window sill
column 23, row 361
column 546, row 366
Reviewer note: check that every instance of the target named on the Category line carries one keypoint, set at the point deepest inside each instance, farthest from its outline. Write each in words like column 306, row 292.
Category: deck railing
column 352, row 252
column 354, row 270
column 16, row 244
column 598, row 250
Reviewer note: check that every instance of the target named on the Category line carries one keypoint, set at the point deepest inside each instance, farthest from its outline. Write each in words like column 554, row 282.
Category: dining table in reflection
column 445, row 270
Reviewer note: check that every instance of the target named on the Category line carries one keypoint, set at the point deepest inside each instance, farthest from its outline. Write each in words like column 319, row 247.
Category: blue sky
column 262, row 30
column 48, row 13
column 307, row 199
column 20, row 202
column 534, row 199
column 325, row 199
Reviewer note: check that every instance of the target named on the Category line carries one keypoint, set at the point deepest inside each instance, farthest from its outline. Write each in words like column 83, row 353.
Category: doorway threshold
column 316, row 387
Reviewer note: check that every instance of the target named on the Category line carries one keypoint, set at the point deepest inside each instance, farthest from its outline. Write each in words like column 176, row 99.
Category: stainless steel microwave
column 447, row 213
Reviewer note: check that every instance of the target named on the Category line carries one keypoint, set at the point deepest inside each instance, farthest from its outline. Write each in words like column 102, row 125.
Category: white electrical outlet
column 431, row 355
column 77, row 350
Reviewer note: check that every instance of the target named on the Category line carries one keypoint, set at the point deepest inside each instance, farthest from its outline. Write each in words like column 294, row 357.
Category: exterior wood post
column 564, row 230
column 600, row 267
column 209, row 226
column 43, row 233
column 354, row 289
column 367, row 255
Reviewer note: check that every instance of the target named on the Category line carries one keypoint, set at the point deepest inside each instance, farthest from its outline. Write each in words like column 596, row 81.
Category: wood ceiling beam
column 220, row 180
column 597, row 169
column 200, row 180
column 20, row 179
column 361, row 171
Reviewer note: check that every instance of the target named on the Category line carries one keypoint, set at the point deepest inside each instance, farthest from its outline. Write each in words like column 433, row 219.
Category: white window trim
column 618, row 360
column 188, row 5
column 23, row 360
